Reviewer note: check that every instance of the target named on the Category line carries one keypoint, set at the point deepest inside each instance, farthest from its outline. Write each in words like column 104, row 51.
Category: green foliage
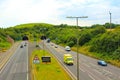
column 108, row 42
column 98, row 30
column 116, row 54
column 85, row 37
column 95, row 25
column 5, row 44
column 108, row 25
column 71, row 43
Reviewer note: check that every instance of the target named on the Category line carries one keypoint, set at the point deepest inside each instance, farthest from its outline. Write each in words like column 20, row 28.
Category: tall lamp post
column 43, row 38
column 77, row 42
column 110, row 19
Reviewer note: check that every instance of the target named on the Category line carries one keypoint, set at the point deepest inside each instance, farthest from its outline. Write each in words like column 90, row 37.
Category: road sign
column 46, row 59
column 36, row 60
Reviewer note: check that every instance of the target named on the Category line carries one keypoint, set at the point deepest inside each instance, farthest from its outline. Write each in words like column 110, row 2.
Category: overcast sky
column 14, row 12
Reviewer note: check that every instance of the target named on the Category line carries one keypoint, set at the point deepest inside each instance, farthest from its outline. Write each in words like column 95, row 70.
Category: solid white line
column 89, row 73
column 107, row 71
column 91, row 77
column 86, row 65
column 81, row 69
column 27, row 62
column 97, row 71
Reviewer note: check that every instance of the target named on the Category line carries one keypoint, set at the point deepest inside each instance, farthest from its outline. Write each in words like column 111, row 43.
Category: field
column 47, row 71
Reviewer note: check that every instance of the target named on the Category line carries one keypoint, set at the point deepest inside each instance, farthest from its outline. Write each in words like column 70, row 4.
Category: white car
column 56, row 46
column 67, row 48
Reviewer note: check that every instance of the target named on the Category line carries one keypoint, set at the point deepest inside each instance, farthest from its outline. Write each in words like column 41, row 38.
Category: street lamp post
column 77, row 43
column 110, row 19
column 43, row 38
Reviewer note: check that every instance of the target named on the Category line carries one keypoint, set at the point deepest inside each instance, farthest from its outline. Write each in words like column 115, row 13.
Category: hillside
column 96, row 41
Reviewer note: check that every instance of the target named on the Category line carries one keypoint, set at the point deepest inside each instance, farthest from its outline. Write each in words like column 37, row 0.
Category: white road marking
column 81, row 69
column 27, row 62
column 97, row 71
column 86, row 65
column 94, row 65
column 91, row 77
column 107, row 71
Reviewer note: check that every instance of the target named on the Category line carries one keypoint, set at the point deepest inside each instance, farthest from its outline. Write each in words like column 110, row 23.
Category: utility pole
column 43, row 38
column 77, row 43
column 110, row 19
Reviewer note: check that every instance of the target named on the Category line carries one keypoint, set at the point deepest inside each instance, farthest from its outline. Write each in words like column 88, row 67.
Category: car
column 56, row 46
column 37, row 45
column 67, row 48
column 52, row 45
column 21, row 46
column 48, row 40
column 25, row 45
column 102, row 63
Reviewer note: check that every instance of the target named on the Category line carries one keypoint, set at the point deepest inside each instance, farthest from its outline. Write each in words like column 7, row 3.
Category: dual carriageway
column 17, row 65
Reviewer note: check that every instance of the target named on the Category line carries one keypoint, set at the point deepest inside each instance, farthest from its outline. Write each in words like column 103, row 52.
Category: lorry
column 68, row 59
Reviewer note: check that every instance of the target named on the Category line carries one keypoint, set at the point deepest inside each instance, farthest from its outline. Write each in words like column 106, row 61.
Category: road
column 88, row 67
column 17, row 66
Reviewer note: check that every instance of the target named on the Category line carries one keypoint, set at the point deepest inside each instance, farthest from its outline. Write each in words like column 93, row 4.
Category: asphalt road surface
column 88, row 67
column 17, row 66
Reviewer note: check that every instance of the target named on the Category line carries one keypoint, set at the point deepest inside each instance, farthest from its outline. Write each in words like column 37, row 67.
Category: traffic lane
column 72, row 69
column 99, row 71
column 5, row 56
column 92, row 72
column 16, row 68
column 108, row 71
column 10, row 61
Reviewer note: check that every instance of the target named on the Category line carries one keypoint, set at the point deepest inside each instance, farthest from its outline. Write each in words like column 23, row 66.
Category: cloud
column 29, row 10
column 15, row 12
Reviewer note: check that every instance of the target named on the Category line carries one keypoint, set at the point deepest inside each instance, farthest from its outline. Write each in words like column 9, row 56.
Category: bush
column 71, row 43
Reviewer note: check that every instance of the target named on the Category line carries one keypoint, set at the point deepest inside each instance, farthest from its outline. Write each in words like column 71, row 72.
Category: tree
column 98, row 30
column 107, row 25
column 85, row 37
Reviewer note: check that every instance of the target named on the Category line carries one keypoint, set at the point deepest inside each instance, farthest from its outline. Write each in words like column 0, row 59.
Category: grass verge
column 47, row 71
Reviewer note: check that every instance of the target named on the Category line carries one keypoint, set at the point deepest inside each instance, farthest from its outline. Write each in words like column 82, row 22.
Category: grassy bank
column 47, row 71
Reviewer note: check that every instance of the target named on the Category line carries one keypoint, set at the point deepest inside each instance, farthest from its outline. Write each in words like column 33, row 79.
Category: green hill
column 96, row 41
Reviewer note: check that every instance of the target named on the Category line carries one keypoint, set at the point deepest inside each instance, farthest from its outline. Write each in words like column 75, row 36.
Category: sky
column 15, row 12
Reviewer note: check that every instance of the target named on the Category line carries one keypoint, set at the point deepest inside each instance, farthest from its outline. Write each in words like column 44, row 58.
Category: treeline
column 102, row 41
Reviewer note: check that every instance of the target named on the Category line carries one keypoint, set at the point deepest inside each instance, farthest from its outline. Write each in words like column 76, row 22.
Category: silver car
column 67, row 48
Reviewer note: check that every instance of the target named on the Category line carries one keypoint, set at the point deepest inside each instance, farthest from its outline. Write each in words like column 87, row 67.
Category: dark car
column 48, row 40
column 21, row 46
column 102, row 63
